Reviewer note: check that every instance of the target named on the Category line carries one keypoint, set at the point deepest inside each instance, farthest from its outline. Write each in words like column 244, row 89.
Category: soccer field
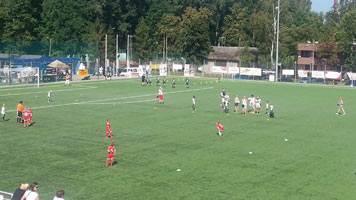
column 66, row 147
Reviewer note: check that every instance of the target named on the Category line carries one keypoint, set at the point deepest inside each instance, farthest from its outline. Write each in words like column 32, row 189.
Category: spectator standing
column 31, row 193
column 19, row 192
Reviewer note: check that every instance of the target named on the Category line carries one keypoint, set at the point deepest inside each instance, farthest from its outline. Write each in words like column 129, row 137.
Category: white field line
column 127, row 102
column 103, row 100
column 26, row 87
column 25, row 93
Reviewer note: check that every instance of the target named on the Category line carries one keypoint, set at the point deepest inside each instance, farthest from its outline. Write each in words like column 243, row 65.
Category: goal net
column 19, row 76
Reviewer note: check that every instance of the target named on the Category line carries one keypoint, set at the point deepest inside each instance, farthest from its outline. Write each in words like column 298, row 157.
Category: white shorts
column 67, row 82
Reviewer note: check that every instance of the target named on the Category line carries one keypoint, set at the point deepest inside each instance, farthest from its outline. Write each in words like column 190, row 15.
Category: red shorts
column 160, row 97
column 111, row 156
column 108, row 130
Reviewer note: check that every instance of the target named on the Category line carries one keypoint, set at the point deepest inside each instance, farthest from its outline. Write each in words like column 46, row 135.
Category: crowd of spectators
column 30, row 192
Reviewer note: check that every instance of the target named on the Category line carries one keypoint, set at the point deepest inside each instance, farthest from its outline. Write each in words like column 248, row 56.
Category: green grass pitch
column 66, row 147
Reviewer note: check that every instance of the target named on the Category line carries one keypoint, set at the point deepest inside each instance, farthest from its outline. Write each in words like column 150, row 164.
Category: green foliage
column 2, row 18
column 20, row 23
column 346, row 36
column 143, row 44
column 195, row 41
column 170, row 27
column 64, row 20
column 247, row 57
column 235, row 26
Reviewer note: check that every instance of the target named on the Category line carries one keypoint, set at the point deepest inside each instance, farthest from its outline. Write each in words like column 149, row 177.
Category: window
column 220, row 63
column 306, row 67
column 306, row 54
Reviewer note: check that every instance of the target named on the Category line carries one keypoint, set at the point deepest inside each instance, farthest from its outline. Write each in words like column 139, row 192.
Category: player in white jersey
column 193, row 102
column 267, row 107
column 340, row 110
column 236, row 103
column 271, row 111
column 3, row 112
column 258, row 105
column 49, row 96
column 227, row 102
column 244, row 105
column 222, row 95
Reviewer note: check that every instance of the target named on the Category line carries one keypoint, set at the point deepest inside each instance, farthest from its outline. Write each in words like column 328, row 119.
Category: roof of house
column 18, row 56
column 229, row 53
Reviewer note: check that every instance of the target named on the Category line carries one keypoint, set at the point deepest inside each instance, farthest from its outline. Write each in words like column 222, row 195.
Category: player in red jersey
column 111, row 154
column 25, row 117
column 220, row 128
column 108, row 129
column 29, row 116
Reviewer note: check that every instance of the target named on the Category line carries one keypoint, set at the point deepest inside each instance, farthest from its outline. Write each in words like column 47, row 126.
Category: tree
column 169, row 28
column 246, row 57
column 235, row 26
column 19, row 21
column 143, row 44
column 2, row 18
column 194, row 42
column 346, row 36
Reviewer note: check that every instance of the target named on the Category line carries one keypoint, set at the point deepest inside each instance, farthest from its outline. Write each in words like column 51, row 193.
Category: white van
column 130, row 72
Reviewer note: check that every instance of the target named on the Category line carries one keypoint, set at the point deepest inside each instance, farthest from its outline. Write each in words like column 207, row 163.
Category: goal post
column 20, row 76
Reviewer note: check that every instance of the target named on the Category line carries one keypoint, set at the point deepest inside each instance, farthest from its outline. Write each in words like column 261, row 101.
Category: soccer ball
column 250, row 152
column 286, row 140
column 178, row 170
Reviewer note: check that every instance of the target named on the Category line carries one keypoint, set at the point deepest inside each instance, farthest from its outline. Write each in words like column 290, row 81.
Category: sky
column 322, row 5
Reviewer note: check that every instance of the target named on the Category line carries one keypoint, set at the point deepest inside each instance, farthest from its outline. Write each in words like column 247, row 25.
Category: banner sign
column 288, row 72
column 302, row 73
column 50, row 71
column 318, row 74
column 163, row 69
column 251, row 71
column 352, row 76
column 333, row 75
column 219, row 69
column 234, row 70
column 177, row 67
column 155, row 66
column 83, row 73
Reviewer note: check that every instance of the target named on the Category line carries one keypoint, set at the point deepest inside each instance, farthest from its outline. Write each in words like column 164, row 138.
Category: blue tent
column 42, row 62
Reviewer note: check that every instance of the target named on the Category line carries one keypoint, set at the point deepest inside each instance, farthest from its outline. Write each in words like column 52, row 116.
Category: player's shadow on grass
column 5, row 120
column 115, row 163
column 33, row 123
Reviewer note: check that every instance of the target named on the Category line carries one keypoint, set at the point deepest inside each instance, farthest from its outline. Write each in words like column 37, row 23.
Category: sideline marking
column 118, row 98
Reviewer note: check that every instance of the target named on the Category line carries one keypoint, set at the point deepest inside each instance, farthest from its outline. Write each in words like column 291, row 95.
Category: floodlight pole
column 128, row 52
column 106, row 52
column 277, row 40
column 117, row 54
